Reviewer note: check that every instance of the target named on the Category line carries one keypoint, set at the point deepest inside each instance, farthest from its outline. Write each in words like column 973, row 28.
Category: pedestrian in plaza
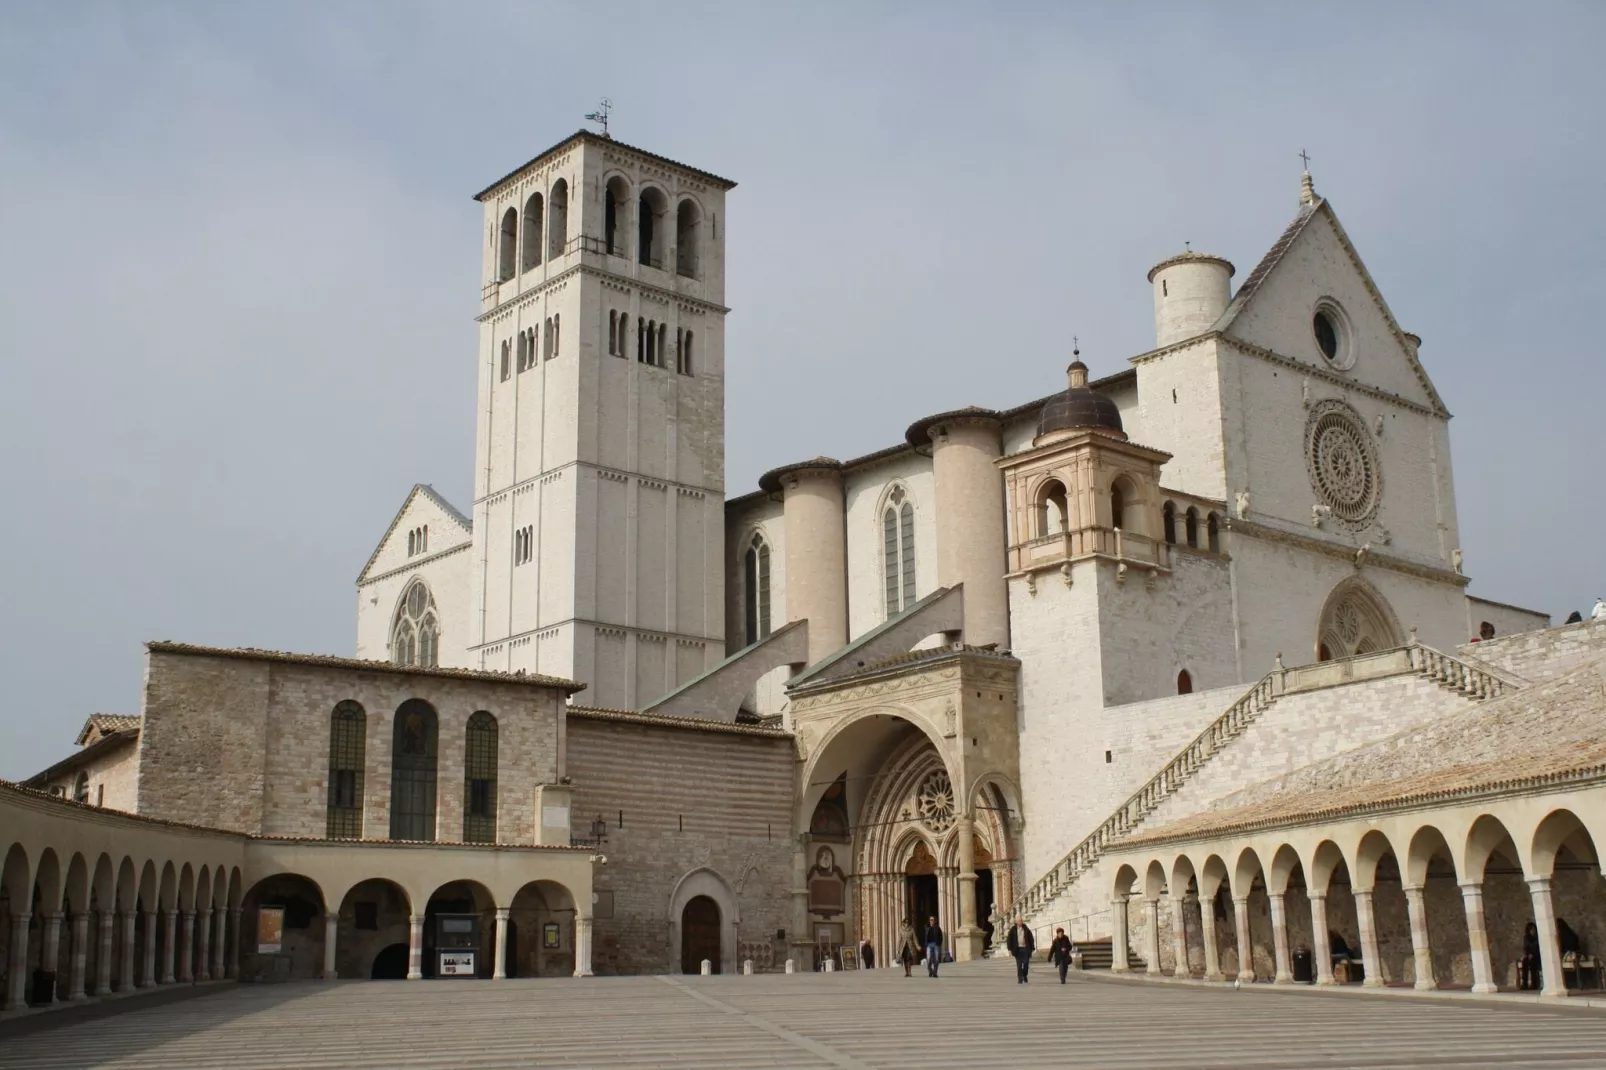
column 867, row 956
column 908, row 947
column 1021, row 944
column 1060, row 952
column 933, row 941
column 1528, row 965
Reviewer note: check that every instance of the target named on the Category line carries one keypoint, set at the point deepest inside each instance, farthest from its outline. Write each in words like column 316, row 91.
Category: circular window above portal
column 1330, row 328
column 1343, row 463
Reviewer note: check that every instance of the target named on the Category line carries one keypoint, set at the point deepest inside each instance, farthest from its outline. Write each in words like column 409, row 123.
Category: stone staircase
column 1448, row 672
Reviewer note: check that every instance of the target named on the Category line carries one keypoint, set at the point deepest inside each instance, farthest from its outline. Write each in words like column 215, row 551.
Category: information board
column 270, row 930
column 457, row 964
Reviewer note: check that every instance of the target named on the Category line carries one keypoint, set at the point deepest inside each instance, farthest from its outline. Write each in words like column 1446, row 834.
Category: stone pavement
column 973, row 1016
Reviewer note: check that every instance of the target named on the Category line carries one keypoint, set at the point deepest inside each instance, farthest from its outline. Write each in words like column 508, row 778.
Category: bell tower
column 600, row 444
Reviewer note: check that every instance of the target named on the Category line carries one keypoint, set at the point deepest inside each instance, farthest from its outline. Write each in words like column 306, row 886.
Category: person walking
column 1021, row 944
column 908, row 947
column 933, row 940
column 1060, row 952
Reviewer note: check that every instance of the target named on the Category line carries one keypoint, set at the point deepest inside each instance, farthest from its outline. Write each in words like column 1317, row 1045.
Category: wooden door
column 699, row 935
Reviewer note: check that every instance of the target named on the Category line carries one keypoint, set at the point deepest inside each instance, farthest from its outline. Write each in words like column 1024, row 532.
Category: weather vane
column 600, row 116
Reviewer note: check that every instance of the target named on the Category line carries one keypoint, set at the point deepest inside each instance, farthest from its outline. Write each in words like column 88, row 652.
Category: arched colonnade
column 1436, row 898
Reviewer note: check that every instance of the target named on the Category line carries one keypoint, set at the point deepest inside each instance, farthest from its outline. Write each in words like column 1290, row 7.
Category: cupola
column 1079, row 408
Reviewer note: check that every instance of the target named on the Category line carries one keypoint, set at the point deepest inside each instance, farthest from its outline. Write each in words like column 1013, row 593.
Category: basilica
column 1182, row 659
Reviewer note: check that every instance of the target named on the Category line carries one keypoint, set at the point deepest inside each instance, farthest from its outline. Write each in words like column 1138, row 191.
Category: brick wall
column 690, row 799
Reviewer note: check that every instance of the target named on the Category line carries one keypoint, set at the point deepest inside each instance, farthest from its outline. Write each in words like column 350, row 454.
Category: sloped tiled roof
column 1548, row 733
column 332, row 662
column 104, row 724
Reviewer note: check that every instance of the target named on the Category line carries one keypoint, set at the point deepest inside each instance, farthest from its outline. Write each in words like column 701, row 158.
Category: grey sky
column 239, row 262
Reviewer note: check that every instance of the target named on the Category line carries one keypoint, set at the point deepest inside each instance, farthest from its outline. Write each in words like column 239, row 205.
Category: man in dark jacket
column 1060, row 952
column 933, row 942
column 1021, row 944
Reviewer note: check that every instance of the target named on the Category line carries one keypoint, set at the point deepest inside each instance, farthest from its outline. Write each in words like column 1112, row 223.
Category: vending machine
column 457, row 943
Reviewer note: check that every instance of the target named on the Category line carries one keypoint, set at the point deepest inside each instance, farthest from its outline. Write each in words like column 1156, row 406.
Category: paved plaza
column 973, row 1016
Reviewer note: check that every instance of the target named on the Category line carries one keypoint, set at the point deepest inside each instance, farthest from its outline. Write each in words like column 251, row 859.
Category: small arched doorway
column 699, row 935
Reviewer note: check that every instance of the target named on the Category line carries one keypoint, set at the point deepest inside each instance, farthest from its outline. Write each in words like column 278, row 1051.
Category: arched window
column 348, row 738
column 756, row 588
column 641, row 334
column 615, row 199
column 557, row 232
column 1355, row 620
column 80, row 788
column 415, row 630
column 651, row 210
column 504, row 361
column 1053, row 510
column 412, row 543
column 557, row 333
column 652, row 342
column 508, row 245
column 524, row 350
column 685, row 356
column 479, row 779
column 1168, row 518
column 613, row 333
column 412, row 772
column 1184, row 683
column 1213, row 533
column 532, row 231
column 1191, row 522
column 898, row 552
column 686, row 220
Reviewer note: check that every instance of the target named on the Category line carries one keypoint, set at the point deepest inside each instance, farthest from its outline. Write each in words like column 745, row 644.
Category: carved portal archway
column 1356, row 619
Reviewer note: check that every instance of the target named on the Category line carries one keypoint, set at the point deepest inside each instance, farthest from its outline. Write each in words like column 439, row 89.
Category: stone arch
column 1368, row 853
column 1553, row 832
column 1154, row 879
column 1355, row 619
column 1285, row 862
column 167, row 888
column 1487, row 836
column 186, row 888
column 1325, row 861
column 104, row 883
column 77, row 884
column 1183, row 874
column 704, row 882
column 1051, row 507
column 994, row 798
column 855, row 728
column 1244, row 872
column 1125, row 878
column 1427, row 842
column 47, row 881
column 127, row 884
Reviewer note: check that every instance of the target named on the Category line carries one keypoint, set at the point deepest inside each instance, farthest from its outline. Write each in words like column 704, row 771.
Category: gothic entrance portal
column 699, row 935
column 920, row 890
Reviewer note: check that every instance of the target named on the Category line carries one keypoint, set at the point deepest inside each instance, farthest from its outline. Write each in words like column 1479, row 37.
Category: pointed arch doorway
column 699, row 935
column 921, row 901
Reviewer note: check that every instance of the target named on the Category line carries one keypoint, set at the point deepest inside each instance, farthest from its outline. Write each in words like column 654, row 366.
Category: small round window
column 1330, row 328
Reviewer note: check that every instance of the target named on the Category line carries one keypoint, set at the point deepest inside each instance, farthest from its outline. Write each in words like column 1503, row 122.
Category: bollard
column 790, row 966
column 830, row 966
column 747, row 967
column 708, row 968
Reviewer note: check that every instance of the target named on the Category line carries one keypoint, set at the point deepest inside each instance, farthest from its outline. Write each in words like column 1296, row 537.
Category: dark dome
column 1079, row 407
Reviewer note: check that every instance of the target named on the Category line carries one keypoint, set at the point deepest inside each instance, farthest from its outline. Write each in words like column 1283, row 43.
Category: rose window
column 935, row 800
column 1342, row 463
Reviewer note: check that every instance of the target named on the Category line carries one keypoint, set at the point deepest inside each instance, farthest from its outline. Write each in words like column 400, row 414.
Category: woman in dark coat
column 1528, row 968
column 1060, row 951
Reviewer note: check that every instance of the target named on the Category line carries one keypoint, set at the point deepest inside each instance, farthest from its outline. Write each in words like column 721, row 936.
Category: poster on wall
column 270, row 930
column 549, row 935
column 848, row 957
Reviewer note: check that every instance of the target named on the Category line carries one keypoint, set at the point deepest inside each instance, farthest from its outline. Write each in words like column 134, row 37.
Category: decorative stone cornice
column 326, row 661
column 1253, row 530
column 414, row 563
column 602, row 473
column 624, row 281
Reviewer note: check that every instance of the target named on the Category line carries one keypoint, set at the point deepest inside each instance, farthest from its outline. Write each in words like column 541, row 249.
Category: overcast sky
column 239, row 262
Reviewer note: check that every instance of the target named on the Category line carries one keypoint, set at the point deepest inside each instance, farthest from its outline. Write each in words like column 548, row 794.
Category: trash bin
column 1302, row 967
column 44, row 988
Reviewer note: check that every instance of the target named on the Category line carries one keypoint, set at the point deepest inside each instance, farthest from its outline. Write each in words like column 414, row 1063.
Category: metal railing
column 1447, row 671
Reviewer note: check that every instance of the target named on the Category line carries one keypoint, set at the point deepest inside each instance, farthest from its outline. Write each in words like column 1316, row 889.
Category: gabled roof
column 591, row 135
column 86, row 756
column 1320, row 206
column 426, row 491
column 104, row 724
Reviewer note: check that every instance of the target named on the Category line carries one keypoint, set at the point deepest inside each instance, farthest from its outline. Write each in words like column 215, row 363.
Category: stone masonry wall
column 243, row 744
column 690, row 799
column 1541, row 655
